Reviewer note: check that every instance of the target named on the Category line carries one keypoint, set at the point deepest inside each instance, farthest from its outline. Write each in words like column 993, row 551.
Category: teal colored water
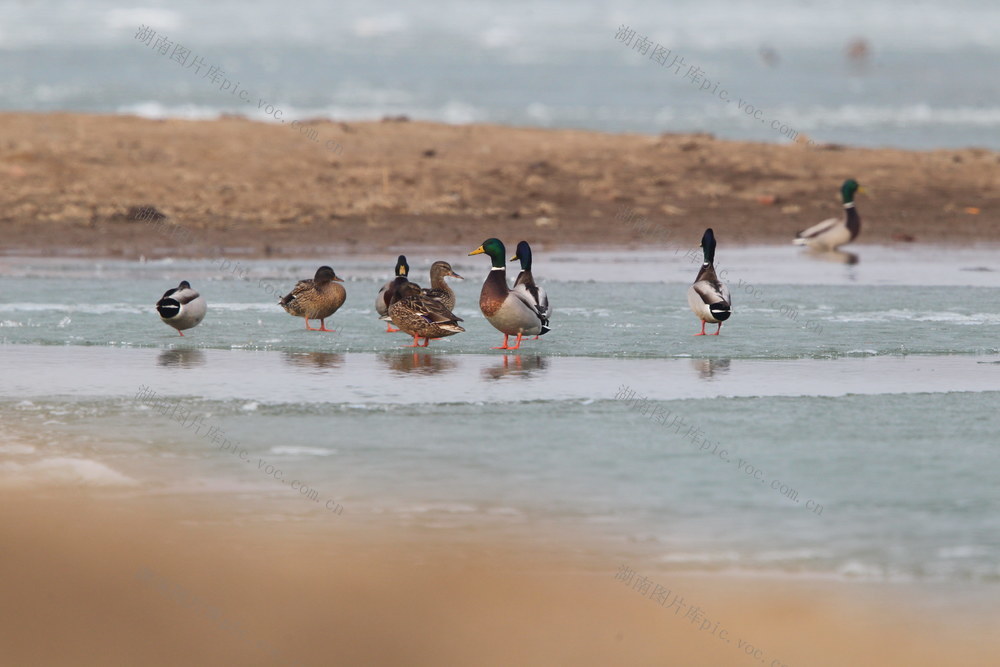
column 856, row 439
column 786, row 304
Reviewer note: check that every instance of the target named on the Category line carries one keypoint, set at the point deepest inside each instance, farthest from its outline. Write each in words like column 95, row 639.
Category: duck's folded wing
column 434, row 311
column 300, row 287
column 528, row 299
column 711, row 292
column 543, row 301
column 431, row 293
column 536, row 295
column 185, row 296
column 382, row 302
column 818, row 229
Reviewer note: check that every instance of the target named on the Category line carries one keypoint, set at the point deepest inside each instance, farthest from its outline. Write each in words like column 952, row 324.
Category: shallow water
column 856, row 439
column 786, row 304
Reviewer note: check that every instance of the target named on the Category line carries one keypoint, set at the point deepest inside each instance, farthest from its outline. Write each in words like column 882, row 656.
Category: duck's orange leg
column 518, row 345
column 702, row 329
column 322, row 327
column 717, row 330
column 389, row 329
column 504, row 346
column 416, row 342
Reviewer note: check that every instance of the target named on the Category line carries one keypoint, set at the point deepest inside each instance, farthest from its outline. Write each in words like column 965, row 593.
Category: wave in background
column 916, row 78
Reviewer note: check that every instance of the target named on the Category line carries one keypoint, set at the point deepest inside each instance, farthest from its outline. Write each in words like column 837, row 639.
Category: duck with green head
column 708, row 296
column 526, row 282
column 512, row 312
column 388, row 292
column 835, row 232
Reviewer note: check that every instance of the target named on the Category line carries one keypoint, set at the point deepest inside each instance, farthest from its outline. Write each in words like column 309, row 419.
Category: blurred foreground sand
column 102, row 582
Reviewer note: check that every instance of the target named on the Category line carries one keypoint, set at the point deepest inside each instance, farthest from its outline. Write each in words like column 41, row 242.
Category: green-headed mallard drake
column 388, row 291
column 835, row 232
column 422, row 316
column 439, row 289
column 709, row 296
column 509, row 311
column 181, row 307
column 316, row 299
column 526, row 282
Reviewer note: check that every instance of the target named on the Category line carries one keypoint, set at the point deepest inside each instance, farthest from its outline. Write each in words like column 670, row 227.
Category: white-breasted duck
column 182, row 307
column 835, row 232
column 526, row 282
column 709, row 297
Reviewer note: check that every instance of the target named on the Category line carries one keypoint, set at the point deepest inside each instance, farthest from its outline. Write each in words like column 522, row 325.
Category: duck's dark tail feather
column 720, row 311
column 168, row 308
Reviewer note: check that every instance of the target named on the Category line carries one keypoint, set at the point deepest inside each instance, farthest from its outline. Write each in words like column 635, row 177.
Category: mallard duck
column 439, row 289
column 708, row 296
column 509, row 311
column 422, row 316
column 316, row 299
column 182, row 307
column 833, row 233
column 526, row 282
column 388, row 291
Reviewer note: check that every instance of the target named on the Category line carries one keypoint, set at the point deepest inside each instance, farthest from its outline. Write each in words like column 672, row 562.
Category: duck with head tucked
column 422, row 316
column 512, row 312
column 316, row 299
column 388, row 292
column 182, row 307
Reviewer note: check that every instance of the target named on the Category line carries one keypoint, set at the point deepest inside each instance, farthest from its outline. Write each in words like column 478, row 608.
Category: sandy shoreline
column 77, row 184
column 140, row 583
column 194, row 574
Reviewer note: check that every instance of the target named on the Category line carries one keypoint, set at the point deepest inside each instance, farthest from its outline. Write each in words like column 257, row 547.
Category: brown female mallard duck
column 439, row 289
column 388, row 292
column 316, row 299
column 422, row 316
